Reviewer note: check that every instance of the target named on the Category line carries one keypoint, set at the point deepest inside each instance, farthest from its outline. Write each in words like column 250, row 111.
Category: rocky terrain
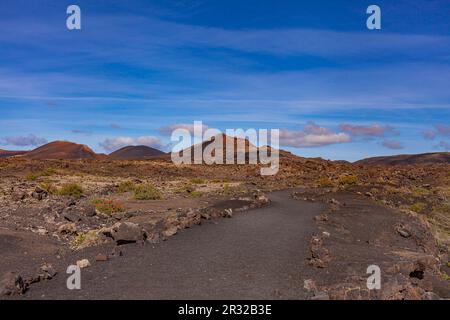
column 397, row 216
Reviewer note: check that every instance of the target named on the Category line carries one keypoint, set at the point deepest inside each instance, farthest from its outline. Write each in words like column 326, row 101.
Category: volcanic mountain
column 9, row 153
column 405, row 159
column 239, row 144
column 135, row 153
column 62, row 150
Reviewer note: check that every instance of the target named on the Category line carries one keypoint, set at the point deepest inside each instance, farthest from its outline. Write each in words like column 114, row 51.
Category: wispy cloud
column 439, row 130
column 167, row 130
column 429, row 134
column 83, row 132
column 23, row 141
column 392, row 144
column 443, row 145
column 374, row 130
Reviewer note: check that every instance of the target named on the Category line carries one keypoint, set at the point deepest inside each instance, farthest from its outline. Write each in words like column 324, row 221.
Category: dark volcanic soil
column 260, row 254
column 266, row 253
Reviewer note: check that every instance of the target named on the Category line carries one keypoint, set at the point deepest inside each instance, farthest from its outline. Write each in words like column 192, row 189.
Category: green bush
column 324, row 182
column 126, row 186
column 49, row 187
column 147, row 192
column 71, row 190
column 348, row 180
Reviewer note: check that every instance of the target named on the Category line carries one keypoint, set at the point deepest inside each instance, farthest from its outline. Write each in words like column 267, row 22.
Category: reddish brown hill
column 62, row 150
column 9, row 153
column 135, row 153
column 239, row 145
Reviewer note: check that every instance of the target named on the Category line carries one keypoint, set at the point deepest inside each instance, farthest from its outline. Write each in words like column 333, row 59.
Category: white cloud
column 112, row 144
column 312, row 136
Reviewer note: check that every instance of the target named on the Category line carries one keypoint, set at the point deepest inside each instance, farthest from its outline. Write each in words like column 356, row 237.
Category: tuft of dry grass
column 73, row 190
column 348, row 180
column 324, row 182
column 418, row 207
column 126, row 186
column 108, row 206
column 147, row 192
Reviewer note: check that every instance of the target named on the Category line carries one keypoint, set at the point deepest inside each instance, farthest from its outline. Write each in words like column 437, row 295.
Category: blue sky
column 311, row 68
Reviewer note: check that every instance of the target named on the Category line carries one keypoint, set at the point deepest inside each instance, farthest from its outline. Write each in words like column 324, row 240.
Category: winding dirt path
column 260, row 254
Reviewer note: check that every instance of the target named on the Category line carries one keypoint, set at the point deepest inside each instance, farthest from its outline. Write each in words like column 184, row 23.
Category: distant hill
column 62, row 150
column 239, row 145
column 9, row 153
column 135, row 153
column 405, row 159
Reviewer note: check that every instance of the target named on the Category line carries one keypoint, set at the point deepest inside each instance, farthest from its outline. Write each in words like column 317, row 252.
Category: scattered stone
column 430, row 296
column 171, row 231
column 321, row 296
column 334, row 201
column 321, row 217
column 403, row 231
column 309, row 285
column 153, row 237
column 47, row 272
column 42, row 231
column 11, row 284
column 228, row 213
column 19, row 196
column 101, row 257
column 320, row 256
column 71, row 216
column 368, row 194
column 84, row 263
column 127, row 232
column 68, row 228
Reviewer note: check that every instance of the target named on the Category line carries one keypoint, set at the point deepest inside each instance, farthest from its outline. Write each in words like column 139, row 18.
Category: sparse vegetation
column 418, row 207
column 126, row 186
column 324, row 182
column 348, row 180
column 198, row 181
column 419, row 191
column 196, row 194
column 71, row 190
column 48, row 186
column 84, row 240
column 226, row 189
column 147, row 192
column 78, row 240
column 33, row 176
column 108, row 206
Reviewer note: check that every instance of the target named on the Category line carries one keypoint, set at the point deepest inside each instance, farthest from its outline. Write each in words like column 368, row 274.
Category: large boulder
column 127, row 232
